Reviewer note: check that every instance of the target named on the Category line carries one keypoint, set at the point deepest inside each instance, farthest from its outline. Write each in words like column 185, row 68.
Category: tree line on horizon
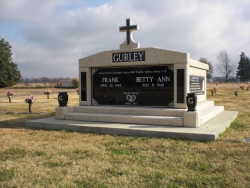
column 10, row 75
column 55, row 82
column 43, row 79
column 225, row 67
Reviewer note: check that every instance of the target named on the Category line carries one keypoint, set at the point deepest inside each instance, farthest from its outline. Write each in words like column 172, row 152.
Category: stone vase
column 191, row 101
column 63, row 99
column 9, row 99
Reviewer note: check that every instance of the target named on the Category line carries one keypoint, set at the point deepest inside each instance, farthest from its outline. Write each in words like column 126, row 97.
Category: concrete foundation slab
column 209, row 131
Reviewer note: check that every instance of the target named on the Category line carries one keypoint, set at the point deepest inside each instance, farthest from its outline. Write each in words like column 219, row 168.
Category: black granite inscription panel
column 180, row 86
column 83, row 86
column 139, row 86
column 197, row 85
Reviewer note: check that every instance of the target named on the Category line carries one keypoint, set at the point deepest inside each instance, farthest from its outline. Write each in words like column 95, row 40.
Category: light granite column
column 192, row 119
column 61, row 111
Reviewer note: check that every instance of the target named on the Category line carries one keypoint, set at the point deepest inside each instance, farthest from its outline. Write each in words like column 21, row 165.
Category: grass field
column 41, row 158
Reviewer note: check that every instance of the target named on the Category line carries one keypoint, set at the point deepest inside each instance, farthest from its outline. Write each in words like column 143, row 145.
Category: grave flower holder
column 30, row 101
column 236, row 93
column 215, row 89
column 47, row 92
column 9, row 95
column 212, row 91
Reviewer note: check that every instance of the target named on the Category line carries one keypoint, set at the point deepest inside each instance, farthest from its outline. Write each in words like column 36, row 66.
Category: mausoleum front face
column 133, row 76
column 141, row 77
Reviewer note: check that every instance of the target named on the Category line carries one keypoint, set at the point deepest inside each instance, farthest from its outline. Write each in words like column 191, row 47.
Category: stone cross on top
column 129, row 43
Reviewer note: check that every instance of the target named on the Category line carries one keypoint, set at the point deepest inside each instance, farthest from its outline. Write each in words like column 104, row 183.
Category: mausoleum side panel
column 197, row 64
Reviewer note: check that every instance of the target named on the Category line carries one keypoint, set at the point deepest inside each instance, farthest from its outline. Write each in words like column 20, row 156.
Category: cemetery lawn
column 41, row 158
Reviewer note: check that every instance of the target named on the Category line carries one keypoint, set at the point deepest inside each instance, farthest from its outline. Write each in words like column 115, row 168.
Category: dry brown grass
column 41, row 158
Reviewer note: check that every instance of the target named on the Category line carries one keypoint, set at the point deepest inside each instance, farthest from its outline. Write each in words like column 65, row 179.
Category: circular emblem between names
column 131, row 98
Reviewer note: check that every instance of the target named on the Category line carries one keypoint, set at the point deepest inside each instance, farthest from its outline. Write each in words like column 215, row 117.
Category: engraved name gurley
column 128, row 57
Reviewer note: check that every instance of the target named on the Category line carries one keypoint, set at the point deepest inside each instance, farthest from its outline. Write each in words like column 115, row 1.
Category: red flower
column 30, row 100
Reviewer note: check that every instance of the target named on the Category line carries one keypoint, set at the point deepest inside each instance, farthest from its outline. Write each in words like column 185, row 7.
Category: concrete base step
column 206, row 132
column 144, row 111
column 211, row 112
column 204, row 105
column 143, row 115
column 130, row 119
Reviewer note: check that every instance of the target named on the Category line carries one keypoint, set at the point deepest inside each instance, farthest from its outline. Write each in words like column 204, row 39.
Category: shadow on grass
column 20, row 122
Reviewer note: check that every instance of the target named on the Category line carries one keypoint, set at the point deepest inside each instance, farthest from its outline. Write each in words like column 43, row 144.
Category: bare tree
column 224, row 66
column 211, row 67
column 45, row 80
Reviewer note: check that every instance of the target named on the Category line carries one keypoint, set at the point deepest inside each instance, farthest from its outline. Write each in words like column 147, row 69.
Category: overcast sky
column 48, row 37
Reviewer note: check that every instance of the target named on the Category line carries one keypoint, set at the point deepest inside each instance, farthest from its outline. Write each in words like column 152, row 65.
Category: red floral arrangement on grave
column 212, row 91
column 78, row 91
column 47, row 92
column 30, row 100
column 10, row 94
column 242, row 87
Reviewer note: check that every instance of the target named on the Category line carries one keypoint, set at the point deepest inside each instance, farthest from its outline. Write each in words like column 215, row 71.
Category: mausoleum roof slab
column 153, row 56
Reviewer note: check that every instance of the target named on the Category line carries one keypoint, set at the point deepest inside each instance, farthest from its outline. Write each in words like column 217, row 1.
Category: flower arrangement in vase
column 78, row 91
column 9, row 95
column 215, row 89
column 30, row 101
column 47, row 92
column 212, row 91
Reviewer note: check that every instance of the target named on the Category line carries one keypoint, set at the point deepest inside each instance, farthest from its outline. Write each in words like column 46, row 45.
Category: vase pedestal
column 61, row 111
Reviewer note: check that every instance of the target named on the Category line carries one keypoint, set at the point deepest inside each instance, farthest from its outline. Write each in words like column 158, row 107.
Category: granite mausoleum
column 143, row 92
column 141, row 77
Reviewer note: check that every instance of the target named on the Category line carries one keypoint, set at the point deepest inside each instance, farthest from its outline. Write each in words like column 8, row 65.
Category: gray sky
column 48, row 37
